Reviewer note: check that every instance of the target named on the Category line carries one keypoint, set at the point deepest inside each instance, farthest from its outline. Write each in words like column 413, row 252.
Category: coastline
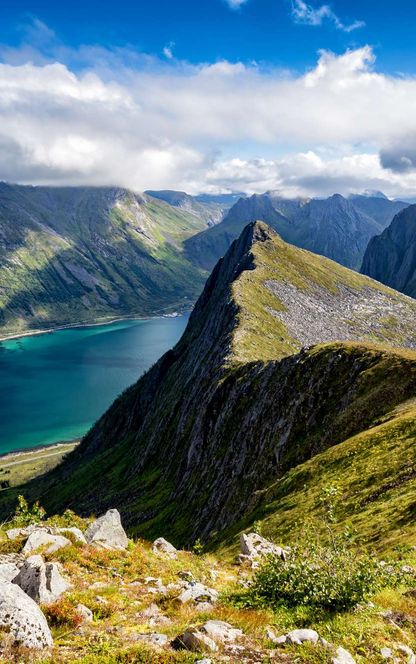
column 27, row 451
column 96, row 323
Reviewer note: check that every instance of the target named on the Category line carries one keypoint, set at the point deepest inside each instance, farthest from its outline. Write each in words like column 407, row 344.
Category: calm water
column 54, row 386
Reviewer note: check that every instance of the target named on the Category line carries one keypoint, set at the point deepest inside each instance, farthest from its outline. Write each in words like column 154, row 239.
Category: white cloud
column 302, row 12
column 168, row 50
column 235, row 4
column 139, row 122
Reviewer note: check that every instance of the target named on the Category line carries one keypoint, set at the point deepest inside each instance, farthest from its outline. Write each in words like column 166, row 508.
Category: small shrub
column 25, row 515
column 62, row 613
column 198, row 547
column 332, row 577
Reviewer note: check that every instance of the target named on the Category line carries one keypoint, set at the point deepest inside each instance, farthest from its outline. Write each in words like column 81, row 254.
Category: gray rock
column 204, row 661
column 8, row 571
column 254, row 547
column 197, row 592
column 342, row 656
column 85, row 613
column 22, row 618
column 221, row 631
column 107, row 532
column 194, row 640
column 299, row 636
column 21, row 533
column 164, row 547
column 386, row 653
column 76, row 532
column 42, row 538
column 41, row 581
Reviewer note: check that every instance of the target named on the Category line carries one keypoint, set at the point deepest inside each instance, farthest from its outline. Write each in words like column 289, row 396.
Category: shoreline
column 97, row 323
column 21, row 452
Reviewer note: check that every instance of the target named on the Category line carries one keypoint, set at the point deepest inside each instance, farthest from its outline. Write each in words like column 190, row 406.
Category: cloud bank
column 136, row 121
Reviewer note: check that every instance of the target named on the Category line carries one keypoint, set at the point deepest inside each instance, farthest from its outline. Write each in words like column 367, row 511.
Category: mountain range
column 81, row 254
column 287, row 356
column 391, row 256
column 339, row 228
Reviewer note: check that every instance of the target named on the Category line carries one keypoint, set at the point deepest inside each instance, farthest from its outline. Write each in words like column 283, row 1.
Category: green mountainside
column 208, row 207
column 286, row 356
column 81, row 254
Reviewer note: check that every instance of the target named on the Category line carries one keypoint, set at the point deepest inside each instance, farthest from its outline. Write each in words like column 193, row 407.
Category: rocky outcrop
column 391, row 256
column 107, row 532
column 254, row 548
column 207, row 637
column 22, row 618
column 163, row 547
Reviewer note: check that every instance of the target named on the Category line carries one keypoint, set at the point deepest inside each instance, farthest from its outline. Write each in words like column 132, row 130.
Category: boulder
column 254, row 547
column 386, row 653
column 164, row 547
column 342, row 656
column 41, row 581
column 107, row 532
column 194, row 640
column 197, row 592
column 221, row 631
column 8, row 571
column 21, row 533
column 42, row 538
column 22, row 618
column 85, row 613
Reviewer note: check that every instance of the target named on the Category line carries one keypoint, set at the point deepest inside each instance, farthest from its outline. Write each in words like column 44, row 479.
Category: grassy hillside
column 84, row 254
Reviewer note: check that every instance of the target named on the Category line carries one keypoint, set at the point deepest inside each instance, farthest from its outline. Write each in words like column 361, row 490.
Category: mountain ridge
column 188, row 438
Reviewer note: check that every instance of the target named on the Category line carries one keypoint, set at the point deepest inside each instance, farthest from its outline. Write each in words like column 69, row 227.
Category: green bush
column 332, row 577
column 25, row 515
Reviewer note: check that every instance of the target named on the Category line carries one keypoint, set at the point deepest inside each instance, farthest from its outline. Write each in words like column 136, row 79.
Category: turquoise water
column 54, row 386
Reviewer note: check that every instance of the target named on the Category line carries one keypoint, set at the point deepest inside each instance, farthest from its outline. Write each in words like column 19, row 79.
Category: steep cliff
column 391, row 256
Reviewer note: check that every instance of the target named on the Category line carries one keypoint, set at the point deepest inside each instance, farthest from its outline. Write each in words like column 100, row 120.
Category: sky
column 301, row 97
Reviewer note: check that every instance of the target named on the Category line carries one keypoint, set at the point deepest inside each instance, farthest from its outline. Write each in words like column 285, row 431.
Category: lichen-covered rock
column 8, row 571
column 85, row 613
column 42, row 538
column 41, row 581
column 221, row 631
column 107, row 532
column 197, row 592
column 22, row 618
column 296, row 636
column 162, row 546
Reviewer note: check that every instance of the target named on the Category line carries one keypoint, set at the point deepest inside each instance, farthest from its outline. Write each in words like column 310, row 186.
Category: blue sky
column 204, row 31
column 301, row 96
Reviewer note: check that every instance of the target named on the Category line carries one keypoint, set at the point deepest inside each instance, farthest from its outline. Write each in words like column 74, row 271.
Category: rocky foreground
column 80, row 590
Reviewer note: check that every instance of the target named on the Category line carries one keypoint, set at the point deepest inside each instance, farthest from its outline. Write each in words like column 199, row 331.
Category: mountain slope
column 237, row 403
column 336, row 227
column 391, row 256
column 75, row 254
